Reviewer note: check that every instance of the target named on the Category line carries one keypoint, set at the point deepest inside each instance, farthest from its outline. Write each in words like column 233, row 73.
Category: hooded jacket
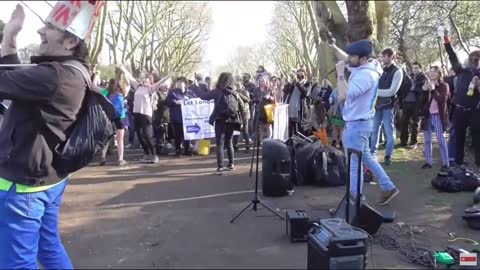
column 362, row 91
column 51, row 91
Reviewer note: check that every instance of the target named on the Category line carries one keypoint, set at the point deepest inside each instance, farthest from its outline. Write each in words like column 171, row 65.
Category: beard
column 353, row 65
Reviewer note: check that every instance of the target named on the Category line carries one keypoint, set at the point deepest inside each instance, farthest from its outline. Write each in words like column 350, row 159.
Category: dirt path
column 132, row 217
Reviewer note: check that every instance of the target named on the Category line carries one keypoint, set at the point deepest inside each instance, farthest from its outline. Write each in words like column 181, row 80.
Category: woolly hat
column 361, row 48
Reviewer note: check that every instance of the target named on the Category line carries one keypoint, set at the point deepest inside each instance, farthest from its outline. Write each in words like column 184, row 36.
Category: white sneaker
column 154, row 159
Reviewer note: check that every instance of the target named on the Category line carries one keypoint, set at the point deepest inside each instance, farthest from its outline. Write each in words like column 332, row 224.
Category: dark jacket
column 261, row 99
column 130, row 99
column 405, row 94
column 250, row 86
column 216, row 95
column 162, row 112
column 176, row 109
column 305, row 108
column 50, row 91
column 245, row 97
column 442, row 95
column 385, row 82
column 464, row 78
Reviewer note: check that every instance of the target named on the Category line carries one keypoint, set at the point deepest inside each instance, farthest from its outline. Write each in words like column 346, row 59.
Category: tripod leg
column 271, row 210
column 258, row 154
column 241, row 212
column 253, row 157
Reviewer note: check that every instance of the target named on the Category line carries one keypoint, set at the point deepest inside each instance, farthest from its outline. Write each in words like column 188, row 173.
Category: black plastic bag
column 87, row 135
column 304, row 157
column 329, row 167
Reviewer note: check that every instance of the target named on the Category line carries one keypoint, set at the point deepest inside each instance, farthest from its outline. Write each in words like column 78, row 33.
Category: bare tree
column 159, row 35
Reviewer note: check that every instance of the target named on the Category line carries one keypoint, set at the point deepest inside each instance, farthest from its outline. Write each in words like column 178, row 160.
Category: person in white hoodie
column 360, row 94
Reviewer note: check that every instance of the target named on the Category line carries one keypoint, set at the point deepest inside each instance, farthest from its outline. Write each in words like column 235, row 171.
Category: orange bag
column 322, row 135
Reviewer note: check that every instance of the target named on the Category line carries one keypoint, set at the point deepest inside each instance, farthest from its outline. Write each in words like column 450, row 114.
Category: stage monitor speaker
column 367, row 218
column 276, row 178
column 355, row 210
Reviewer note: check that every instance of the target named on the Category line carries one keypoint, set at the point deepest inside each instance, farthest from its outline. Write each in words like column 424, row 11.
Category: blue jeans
column 387, row 118
column 29, row 229
column 356, row 136
column 452, row 150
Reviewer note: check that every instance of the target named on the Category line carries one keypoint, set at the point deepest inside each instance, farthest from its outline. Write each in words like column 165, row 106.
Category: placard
column 280, row 122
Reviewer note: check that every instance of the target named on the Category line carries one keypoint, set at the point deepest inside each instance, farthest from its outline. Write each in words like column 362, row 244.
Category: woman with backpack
column 116, row 96
column 226, row 117
column 434, row 112
column 262, row 96
column 143, row 106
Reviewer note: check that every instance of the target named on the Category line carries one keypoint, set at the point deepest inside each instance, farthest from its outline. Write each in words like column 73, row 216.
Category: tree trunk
column 100, row 37
column 129, row 25
column 382, row 12
column 331, row 23
column 360, row 23
column 321, row 64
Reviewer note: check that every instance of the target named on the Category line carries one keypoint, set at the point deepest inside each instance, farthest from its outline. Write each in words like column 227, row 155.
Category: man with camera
column 360, row 94
column 297, row 97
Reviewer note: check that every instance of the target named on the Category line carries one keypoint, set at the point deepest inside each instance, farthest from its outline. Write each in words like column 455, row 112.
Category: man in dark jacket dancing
column 466, row 98
column 31, row 189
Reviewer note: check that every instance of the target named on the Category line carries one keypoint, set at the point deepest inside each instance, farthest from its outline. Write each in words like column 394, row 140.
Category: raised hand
column 340, row 67
column 15, row 24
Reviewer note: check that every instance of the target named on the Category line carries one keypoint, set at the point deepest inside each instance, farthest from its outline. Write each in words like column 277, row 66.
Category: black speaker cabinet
column 297, row 225
column 276, row 178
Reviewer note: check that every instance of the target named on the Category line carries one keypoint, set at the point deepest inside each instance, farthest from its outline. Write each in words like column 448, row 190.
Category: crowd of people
column 422, row 100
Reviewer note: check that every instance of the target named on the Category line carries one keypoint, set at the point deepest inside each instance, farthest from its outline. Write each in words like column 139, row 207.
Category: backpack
column 89, row 133
column 456, row 180
column 228, row 105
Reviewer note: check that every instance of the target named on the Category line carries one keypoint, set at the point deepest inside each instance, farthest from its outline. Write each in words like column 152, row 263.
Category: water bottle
column 441, row 30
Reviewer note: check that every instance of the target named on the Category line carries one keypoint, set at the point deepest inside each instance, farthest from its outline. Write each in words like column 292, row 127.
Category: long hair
column 439, row 71
column 113, row 85
column 81, row 49
column 225, row 80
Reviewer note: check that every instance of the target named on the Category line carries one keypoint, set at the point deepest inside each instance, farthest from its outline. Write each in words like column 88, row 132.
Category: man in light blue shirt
column 360, row 94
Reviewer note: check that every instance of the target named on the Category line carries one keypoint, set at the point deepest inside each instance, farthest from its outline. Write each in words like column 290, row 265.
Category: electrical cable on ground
column 414, row 250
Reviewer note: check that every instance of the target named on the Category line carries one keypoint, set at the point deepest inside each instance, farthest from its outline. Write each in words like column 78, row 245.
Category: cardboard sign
column 195, row 114
column 280, row 122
